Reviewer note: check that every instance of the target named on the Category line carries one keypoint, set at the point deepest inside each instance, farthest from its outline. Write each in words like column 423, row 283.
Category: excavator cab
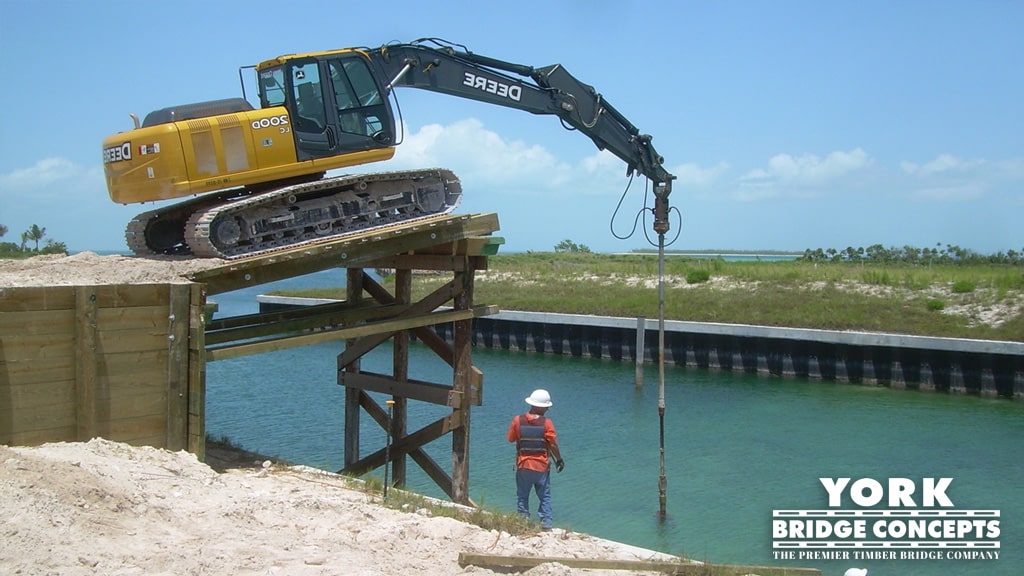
column 336, row 104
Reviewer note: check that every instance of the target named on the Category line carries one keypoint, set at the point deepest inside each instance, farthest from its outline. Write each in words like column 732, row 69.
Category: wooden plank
column 138, row 364
column 197, row 374
column 351, row 251
column 134, row 430
column 37, row 348
column 336, row 312
column 136, row 405
column 523, row 563
column 40, row 436
column 37, row 323
column 61, row 321
column 52, row 348
column 114, row 341
column 276, row 316
column 432, row 262
column 309, row 321
column 176, row 379
column 353, row 294
column 54, row 393
column 363, row 330
column 145, row 440
column 132, row 295
column 433, row 393
column 39, row 417
column 42, row 298
column 36, row 298
column 135, row 317
column 478, row 247
column 141, row 379
column 400, row 372
column 85, row 346
column 462, row 383
column 18, row 374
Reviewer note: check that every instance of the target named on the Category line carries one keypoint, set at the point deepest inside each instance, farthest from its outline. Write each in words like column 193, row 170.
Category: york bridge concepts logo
column 920, row 523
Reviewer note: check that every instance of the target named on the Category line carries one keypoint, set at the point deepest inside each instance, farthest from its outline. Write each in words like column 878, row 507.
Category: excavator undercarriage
column 243, row 222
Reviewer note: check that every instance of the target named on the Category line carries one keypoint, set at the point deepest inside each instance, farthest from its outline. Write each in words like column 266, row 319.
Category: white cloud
column 950, row 192
column 481, row 155
column 44, row 176
column 54, row 179
column 942, row 164
column 695, row 177
column 802, row 176
column 948, row 178
column 486, row 160
column 809, row 169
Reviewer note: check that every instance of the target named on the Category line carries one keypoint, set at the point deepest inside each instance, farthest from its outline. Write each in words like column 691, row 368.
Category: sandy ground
column 102, row 507
column 89, row 268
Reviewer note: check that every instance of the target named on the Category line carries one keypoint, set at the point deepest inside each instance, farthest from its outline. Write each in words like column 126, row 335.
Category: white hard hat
column 540, row 398
column 856, row 572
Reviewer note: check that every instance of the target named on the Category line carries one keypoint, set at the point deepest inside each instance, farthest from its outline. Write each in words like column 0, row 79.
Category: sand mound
column 103, row 507
column 89, row 268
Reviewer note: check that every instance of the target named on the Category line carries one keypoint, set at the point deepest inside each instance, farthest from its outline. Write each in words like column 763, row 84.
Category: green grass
column 896, row 298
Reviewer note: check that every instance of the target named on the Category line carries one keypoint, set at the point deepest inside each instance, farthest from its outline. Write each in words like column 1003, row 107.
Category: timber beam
column 678, row 567
column 437, row 394
column 305, row 318
column 390, row 326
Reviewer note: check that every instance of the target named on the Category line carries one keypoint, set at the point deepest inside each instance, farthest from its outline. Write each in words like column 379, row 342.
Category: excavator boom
column 438, row 66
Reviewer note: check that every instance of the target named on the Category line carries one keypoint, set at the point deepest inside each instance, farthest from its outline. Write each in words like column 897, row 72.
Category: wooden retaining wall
column 119, row 361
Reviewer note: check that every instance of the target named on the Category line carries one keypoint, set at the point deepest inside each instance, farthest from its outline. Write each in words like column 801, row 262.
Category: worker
column 535, row 438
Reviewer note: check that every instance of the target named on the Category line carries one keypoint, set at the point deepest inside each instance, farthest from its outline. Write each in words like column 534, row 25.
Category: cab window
column 308, row 99
column 272, row 91
column 359, row 103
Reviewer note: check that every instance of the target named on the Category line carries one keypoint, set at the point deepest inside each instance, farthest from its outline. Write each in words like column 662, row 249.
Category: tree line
column 939, row 255
column 35, row 234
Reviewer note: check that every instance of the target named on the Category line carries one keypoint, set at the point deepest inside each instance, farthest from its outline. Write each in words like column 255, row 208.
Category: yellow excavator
column 256, row 177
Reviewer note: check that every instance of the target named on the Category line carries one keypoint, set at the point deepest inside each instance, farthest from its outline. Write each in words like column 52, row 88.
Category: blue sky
column 790, row 124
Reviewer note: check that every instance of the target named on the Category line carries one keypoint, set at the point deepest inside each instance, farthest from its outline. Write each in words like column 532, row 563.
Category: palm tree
column 3, row 230
column 36, row 234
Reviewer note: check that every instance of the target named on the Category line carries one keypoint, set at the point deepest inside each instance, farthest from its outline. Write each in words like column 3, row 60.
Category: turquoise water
column 737, row 446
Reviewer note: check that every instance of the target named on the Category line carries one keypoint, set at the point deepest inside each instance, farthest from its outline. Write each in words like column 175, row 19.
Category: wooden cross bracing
column 464, row 392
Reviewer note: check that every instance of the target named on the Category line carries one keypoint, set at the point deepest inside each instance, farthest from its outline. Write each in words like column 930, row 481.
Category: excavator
column 256, row 179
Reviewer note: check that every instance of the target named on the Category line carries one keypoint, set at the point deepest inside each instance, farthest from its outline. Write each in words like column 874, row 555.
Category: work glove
column 559, row 465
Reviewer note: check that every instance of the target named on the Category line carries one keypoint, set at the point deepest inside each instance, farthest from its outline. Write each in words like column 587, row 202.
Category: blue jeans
column 540, row 482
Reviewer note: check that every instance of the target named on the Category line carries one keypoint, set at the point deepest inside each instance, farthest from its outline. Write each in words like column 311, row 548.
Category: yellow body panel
column 206, row 154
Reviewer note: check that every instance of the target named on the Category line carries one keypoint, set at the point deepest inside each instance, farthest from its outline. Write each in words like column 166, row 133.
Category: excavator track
column 162, row 231
column 240, row 222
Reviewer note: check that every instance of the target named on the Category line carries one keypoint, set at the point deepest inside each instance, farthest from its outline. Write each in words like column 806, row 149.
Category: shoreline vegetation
column 934, row 294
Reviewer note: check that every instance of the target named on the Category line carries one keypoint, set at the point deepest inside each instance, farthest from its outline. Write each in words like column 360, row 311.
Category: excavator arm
column 432, row 64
